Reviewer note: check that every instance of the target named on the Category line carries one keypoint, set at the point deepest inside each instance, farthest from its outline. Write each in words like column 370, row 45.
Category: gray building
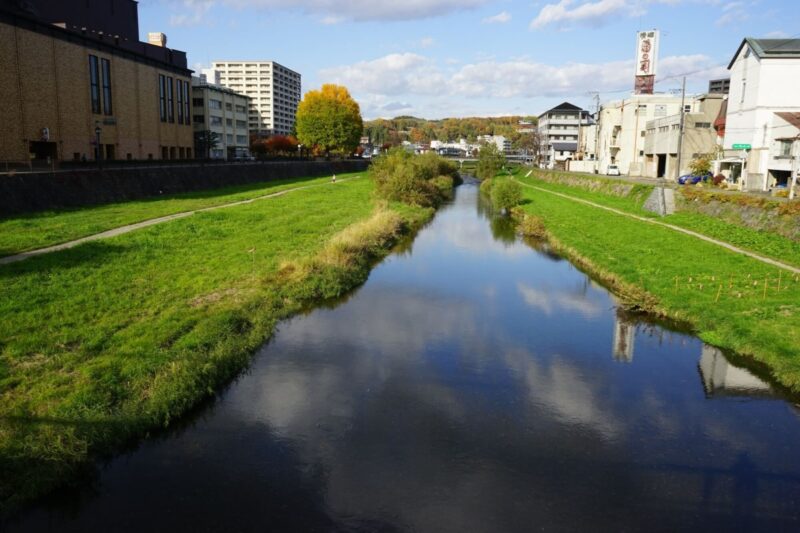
column 223, row 112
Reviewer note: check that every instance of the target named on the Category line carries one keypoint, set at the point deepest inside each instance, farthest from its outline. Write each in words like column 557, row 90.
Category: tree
column 281, row 144
column 490, row 161
column 701, row 165
column 506, row 194
column 329, row 119
column 205, row 141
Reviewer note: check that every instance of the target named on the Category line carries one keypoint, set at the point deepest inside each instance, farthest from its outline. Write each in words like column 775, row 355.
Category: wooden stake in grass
column 676, row 283
column 780, row 274
column 252, row 252
column 766, row 283
column 719, row 291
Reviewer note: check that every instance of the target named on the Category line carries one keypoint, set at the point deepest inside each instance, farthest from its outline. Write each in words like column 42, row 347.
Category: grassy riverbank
column 731, row 300
column 38, row 230
column 107, row 341
column 630, row 197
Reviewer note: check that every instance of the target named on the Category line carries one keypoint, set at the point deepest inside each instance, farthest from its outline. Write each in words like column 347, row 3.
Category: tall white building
column 274, row 91
column 763, row 113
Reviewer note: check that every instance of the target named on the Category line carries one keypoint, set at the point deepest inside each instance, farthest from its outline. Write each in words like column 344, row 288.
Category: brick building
column 72, row 68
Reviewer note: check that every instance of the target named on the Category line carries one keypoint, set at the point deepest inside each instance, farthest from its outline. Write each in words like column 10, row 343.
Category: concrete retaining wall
column 23, row 193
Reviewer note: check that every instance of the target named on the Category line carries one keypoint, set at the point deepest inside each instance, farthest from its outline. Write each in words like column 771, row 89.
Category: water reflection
column 721, row 378
column 624, row 336
column 467, row 386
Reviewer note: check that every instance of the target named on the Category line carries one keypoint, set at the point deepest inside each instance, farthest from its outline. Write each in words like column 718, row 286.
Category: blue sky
column 442, row 58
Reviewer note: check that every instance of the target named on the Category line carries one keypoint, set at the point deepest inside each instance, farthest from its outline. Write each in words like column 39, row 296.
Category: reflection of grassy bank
column 107, row 341
column 38, row 230
column 731, row 300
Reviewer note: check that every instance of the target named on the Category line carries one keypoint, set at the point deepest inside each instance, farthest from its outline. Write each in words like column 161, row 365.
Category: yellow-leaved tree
column 330, row 120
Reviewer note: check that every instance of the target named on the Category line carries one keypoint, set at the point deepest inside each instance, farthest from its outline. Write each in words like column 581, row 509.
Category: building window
column 215, row 121
column 784, row 148
column 197, row 102
column 702, row 125
column 228, row 106
column 106, row 69
column 214, row 104
column 186, row 102
column 162, row 99
column 170, row 100
column 241, row 139
column 179, row 89
column 94, row 84
column 199, row 118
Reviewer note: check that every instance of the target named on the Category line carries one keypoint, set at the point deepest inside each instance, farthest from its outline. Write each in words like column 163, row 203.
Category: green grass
column 761, row 242
column 104, row 342
column 720, row 293
column 38, row 230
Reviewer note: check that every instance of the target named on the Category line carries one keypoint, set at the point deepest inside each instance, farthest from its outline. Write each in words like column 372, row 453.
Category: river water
column 474, row 383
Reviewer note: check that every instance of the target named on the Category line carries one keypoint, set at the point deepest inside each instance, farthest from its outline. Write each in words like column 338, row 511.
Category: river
column 474, row 383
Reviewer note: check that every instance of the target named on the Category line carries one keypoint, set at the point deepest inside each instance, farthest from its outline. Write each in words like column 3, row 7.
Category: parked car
column 690, row 179
column 613, row 170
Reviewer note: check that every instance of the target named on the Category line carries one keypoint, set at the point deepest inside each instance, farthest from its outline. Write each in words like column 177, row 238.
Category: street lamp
column 97, row 132
column 300, row 151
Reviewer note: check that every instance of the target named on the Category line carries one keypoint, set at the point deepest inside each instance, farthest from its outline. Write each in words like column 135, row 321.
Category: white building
column 699, row 138
column 558, row 129
column 274, row 91
column 759, row 126
column 224, row 112
column 503, row 144
column 622, row 126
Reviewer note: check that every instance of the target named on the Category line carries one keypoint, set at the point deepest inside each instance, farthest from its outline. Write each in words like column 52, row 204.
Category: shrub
column 506, row 194
column 532, row 226
column 423, row 180
column 486, row 186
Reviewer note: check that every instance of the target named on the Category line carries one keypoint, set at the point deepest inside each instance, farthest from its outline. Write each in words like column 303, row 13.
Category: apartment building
column 274, row 92
column 75, row 74
column 761, row 121
column 558, row 128
column 622, row 127
column 699, row 138
column 223, row 112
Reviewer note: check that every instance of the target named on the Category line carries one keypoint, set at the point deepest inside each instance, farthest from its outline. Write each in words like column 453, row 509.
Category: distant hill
column 413, row 129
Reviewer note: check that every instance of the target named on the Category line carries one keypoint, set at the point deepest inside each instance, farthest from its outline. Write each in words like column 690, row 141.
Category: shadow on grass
column 88, row 252
column 194, row 195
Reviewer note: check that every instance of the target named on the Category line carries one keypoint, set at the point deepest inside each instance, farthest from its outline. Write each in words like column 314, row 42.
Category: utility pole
column 795, row 165
column 596, row 129
column 680, row 130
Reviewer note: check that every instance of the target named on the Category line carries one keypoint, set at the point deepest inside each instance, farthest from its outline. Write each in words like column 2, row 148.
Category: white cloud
column 426, row 42
column 565, row 12
column 732, row 13
column 500, row 18
column 403, row 74
column 193, row 13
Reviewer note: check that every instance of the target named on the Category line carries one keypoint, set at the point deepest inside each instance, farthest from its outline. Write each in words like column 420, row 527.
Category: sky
column 458, row 58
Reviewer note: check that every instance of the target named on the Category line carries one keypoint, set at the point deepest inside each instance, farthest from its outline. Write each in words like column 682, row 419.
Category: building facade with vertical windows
column 223, row 113
column 75, row 73
column 558, row 129
column 274, row 92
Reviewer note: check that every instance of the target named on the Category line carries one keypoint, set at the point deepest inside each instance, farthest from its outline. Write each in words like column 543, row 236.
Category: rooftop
column 769, row 48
